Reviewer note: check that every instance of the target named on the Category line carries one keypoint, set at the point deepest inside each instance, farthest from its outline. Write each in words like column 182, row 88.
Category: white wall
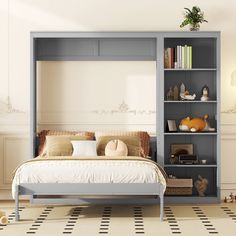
column 106, row 15
column 97, row 95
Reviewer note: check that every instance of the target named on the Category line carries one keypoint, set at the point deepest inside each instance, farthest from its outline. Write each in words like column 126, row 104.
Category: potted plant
column 193, row 18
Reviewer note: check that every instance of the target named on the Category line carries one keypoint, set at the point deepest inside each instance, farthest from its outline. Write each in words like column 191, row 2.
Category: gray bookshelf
column 205, row 71
column 149, row 46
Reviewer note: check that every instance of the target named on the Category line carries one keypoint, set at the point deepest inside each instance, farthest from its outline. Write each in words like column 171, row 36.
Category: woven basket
column 179, row 191
column 179, row 187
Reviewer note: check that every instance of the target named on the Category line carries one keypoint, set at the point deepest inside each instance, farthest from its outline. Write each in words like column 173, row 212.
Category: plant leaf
column 188, row 9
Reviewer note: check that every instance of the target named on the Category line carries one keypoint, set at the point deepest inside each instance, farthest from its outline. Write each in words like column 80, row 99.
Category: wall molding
column 228, row 137
column 230, row 186
column 6, row 107
column 6, row 139
column 124, row 108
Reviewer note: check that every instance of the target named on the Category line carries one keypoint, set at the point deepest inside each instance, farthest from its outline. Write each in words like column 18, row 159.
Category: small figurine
column 227, row 199
column 172, row 177
column 230, row 199
column 201, row 185
column 174, row 159
column 205, row 93
column 182, row 89
column 3, row 218
column 184, row 94
column 196, row 124
column 170, row 94
column 176, row 93
column 187, row 96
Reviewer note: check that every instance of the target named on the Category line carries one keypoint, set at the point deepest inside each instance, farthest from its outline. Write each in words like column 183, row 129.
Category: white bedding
column 89, row 171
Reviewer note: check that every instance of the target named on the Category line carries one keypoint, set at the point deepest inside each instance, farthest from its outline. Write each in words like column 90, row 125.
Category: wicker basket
column 179, row 187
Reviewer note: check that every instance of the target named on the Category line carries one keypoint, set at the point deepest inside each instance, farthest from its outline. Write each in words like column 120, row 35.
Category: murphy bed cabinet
column 150, row 46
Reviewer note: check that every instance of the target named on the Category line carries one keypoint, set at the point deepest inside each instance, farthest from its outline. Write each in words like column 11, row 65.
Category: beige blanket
column 120, row 158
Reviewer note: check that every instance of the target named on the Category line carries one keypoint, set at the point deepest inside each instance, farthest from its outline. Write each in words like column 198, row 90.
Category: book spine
column 175, row 58
column 169, row 58
column 172, row 57
column 182, row 57
column 179, row 56
column 165, row 58
column 190, row 57
column 185, row 56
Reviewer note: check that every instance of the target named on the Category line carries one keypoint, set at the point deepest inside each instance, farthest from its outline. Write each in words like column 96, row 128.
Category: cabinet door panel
column 130, row 48
column 66, row 48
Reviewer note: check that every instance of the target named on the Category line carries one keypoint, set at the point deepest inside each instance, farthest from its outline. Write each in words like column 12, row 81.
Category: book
column 172, row 56
column 182, row 54
column 178, row 57
column 166, row 58
column 190, row 56
column 185, row 56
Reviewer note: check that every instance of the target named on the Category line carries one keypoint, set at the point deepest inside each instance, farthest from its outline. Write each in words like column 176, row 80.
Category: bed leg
column 161, row 196
column 17, row 215
column 161, row 207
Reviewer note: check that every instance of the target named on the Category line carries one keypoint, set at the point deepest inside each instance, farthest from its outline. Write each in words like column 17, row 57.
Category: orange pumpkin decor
column 194, row 124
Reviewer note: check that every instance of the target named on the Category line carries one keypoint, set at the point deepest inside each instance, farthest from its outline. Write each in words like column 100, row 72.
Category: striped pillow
column 42, row 136
column 60, row 145
column 143, row 136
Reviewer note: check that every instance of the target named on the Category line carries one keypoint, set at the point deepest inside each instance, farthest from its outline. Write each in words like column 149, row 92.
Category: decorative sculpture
column 196, row 124
column 201, row 185
column 205, row 94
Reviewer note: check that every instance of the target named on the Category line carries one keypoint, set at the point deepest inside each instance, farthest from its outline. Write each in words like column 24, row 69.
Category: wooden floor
column 117, row 220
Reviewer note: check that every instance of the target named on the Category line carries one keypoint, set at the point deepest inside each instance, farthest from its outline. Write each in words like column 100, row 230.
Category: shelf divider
column 190, row 166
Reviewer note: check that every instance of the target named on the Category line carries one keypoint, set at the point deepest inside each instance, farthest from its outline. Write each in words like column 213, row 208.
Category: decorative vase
column 195, row 27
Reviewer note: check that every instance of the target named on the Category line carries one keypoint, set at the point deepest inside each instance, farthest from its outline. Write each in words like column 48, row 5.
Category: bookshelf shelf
column 192, row 69
column 190, row 133
column 190, row 166
column 194, row 101
column 202, row 69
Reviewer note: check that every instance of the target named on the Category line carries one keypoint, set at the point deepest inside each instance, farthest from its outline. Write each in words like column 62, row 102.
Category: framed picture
column 178, row 149
column 171, row 126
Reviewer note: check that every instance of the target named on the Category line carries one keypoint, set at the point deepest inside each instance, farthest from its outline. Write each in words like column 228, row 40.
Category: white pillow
column 84, row 148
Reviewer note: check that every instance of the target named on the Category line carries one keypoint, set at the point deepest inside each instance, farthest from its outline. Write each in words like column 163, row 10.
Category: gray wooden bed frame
column 154, row 189
column 143, row 47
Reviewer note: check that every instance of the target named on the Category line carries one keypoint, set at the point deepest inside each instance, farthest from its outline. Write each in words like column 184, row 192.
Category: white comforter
column 88, row 171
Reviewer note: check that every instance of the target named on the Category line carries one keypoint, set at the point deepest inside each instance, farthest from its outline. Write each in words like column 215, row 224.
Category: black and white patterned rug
column 122, row 220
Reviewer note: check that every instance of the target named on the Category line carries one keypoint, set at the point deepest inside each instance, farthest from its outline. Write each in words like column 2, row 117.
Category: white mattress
column 88, row 171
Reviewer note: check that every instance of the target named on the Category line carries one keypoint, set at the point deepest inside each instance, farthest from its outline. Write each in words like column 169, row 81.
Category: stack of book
column 179, row 57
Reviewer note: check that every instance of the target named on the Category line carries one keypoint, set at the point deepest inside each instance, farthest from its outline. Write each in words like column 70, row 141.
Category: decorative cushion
column 42, row 136
column 116, row 147
column 143, row 136
column 133, row 144
column 60, row 145
column 84, row 148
